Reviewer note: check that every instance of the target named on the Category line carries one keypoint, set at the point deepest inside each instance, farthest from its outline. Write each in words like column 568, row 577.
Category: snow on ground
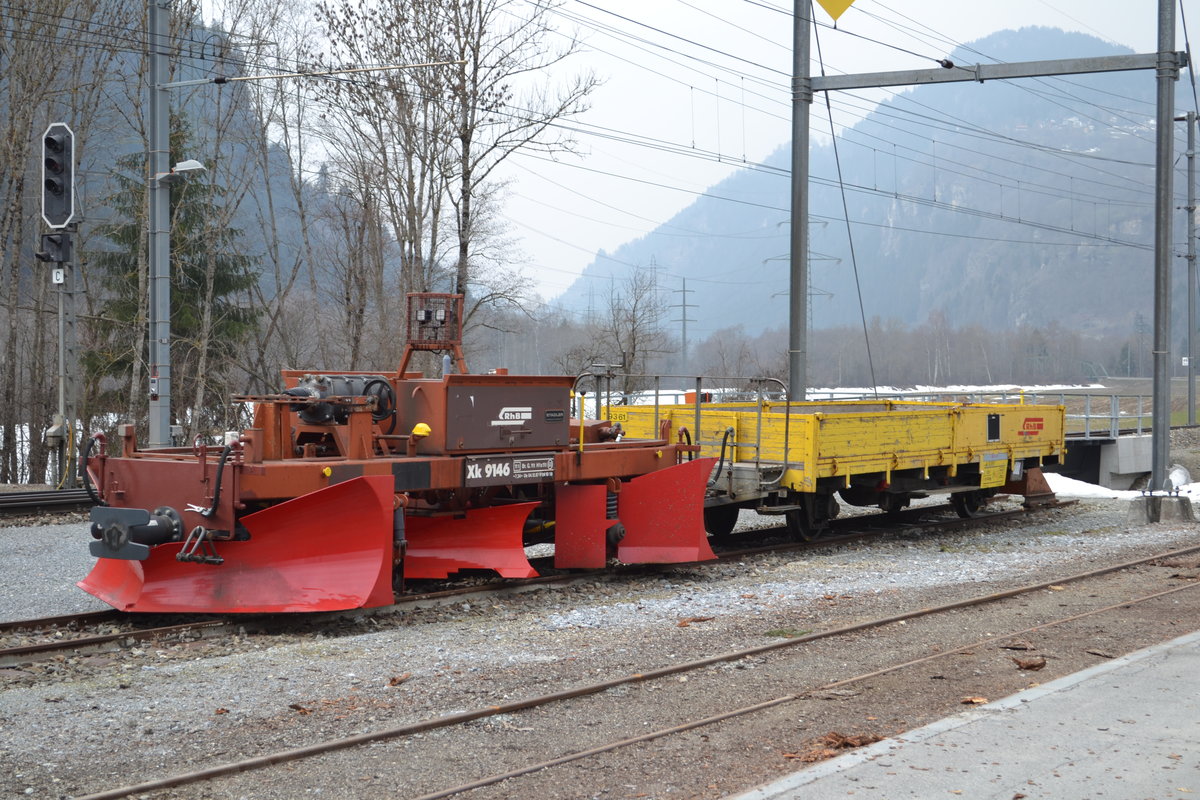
column 914, row 391
column 1063, row 486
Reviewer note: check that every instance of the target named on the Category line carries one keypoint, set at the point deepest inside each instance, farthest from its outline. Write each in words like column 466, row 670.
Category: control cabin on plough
column 346, row 484
column 797, row 459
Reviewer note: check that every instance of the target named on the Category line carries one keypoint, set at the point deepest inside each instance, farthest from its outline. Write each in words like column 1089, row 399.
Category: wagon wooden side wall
column 832, row 442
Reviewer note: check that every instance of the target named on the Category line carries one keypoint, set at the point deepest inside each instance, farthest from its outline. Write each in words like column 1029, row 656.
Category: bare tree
column 357, row 245
column 633, row 324
column 22, row 83
column 728, row 353
column 271, row 36
column 35, row 89
column 386, row 131
column 495, row 104
column 433, row 136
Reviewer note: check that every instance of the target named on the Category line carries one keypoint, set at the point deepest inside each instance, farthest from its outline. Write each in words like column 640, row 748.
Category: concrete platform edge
column 787, row 786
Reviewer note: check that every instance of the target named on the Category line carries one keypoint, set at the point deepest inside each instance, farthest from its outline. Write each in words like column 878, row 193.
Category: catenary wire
column 849, row 231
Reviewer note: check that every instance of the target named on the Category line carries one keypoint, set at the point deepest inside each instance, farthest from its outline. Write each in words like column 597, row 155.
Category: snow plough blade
column 581, row 527
column 663, row 515
column 486, row 538
column 325, row 551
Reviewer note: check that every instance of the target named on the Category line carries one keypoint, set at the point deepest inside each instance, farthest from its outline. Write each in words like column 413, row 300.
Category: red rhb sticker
column 1032, row 426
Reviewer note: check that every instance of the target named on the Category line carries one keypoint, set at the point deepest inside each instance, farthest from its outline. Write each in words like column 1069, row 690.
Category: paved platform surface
column 1128, row 729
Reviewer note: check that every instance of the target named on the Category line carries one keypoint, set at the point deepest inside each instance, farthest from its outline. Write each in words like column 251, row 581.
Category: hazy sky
column 708, row 79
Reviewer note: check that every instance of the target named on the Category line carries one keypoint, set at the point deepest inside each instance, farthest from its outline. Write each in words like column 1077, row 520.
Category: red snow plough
column 348, row 483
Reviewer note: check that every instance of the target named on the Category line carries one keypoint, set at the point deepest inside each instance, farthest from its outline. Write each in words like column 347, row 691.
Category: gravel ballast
column 88, row 723
column 41, row 565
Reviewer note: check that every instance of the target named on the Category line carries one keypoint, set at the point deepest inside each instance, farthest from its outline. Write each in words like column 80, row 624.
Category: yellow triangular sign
column 835, row 7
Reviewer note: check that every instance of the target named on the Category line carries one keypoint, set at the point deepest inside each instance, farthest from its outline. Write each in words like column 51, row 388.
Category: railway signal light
column 58, row 175
column 56, row 248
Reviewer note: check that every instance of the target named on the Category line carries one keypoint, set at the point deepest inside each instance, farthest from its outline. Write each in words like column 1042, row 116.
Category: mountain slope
column 996, row 205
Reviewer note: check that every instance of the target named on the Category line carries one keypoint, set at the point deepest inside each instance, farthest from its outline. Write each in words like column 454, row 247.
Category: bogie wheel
column 799, row 527
column 967, row 504
column 721, row 520
column 893, row 504
column 811, row 520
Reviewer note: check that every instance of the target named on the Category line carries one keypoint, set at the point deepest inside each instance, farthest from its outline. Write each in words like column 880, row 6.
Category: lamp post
column 160, row 299
column 160, row 222
column 160, row 236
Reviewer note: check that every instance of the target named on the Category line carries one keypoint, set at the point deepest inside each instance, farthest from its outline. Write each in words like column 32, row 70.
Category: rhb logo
column 511, row 414
column 1032, row 426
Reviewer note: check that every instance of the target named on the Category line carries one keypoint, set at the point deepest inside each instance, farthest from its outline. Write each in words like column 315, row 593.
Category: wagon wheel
column 893, row 504
column 811, row 520
column 721, row 520
column 967, row 504
column 800, row 528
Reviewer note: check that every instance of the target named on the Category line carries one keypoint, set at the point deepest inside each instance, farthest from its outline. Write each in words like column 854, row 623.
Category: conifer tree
column 210, row 281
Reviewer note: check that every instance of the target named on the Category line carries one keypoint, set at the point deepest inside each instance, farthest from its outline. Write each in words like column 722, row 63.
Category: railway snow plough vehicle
column 347, row 484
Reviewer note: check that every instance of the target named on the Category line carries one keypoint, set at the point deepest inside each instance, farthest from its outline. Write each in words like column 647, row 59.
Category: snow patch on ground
column 1063, row 486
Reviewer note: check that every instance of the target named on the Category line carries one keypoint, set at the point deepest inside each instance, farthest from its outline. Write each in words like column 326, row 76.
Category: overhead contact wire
column 837, row 160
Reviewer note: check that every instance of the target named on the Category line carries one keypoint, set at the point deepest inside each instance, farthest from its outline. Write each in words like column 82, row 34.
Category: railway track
column 629, row 688
column 46, row 637
column 38, row 502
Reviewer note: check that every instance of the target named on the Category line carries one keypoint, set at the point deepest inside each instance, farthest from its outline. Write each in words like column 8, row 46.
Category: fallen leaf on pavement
column 974, row 701
column 1031, row 664
column 827, row 746
column 683, row 623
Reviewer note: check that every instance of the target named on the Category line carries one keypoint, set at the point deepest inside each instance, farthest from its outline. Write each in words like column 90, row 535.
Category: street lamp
column 160, row 292
column 180, row 171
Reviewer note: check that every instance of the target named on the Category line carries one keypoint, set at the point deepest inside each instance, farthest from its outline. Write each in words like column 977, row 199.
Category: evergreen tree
column 210, row 281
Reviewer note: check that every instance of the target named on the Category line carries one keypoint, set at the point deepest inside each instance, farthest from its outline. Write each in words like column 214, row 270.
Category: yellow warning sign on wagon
column 993, row 471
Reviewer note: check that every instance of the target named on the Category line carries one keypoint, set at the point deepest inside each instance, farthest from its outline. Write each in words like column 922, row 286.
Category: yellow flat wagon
column 796, row 459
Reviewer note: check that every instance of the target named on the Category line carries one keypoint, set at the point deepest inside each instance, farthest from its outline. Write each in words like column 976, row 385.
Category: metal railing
column 1089, row 415
column 701, row 389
